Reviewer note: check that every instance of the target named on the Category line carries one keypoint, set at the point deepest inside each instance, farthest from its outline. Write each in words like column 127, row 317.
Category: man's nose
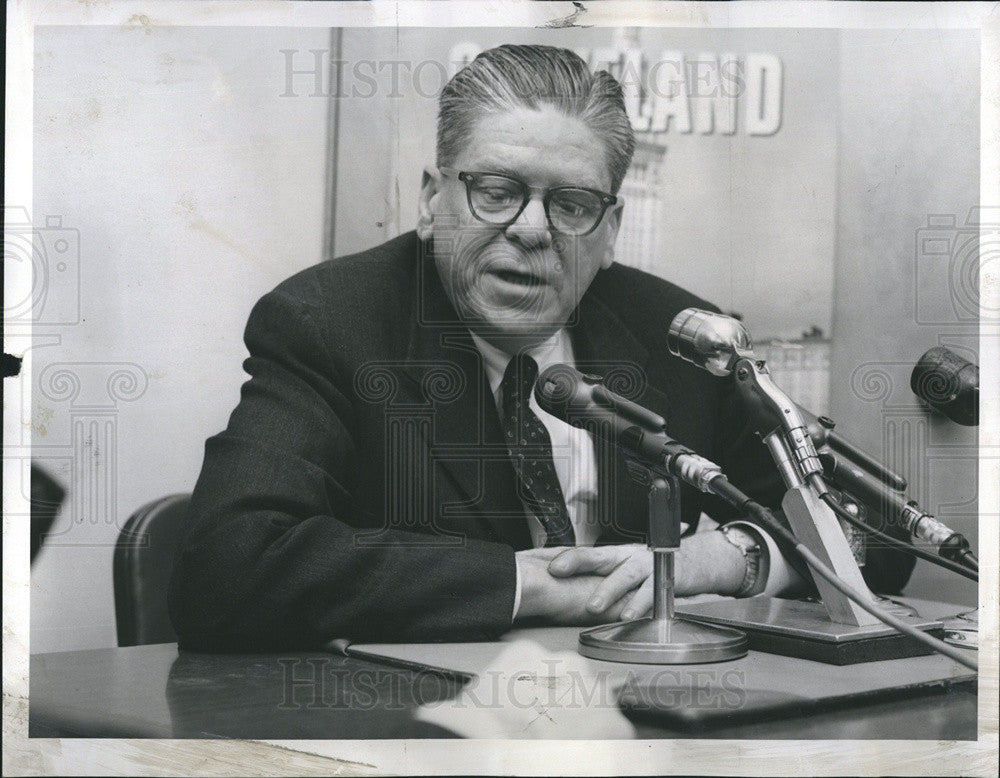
column 531, row 227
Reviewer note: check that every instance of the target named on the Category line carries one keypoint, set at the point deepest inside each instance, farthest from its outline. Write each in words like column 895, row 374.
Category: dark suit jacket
column 362, row 487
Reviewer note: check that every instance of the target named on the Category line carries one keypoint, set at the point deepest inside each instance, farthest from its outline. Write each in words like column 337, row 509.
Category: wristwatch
column 753, row 582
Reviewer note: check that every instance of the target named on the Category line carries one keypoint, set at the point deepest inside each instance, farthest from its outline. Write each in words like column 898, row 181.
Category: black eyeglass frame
column 468, row 177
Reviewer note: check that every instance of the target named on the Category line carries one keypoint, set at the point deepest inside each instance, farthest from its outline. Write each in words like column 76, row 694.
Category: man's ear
column 614, row 217
column 430, row 185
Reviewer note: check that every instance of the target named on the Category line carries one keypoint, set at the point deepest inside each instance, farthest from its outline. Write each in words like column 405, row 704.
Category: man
column 387, row 474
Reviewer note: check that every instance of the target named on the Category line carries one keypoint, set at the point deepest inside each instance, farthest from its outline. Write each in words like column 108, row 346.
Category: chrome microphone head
column 708, row 340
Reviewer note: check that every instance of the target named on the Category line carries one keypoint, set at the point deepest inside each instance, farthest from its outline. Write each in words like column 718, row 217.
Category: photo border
column 208, row 757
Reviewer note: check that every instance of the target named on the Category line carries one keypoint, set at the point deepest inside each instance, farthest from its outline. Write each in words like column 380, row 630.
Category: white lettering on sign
column 707, row 93
column 763, row 94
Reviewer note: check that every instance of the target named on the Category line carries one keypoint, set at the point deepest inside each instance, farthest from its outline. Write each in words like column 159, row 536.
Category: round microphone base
column 675, row 641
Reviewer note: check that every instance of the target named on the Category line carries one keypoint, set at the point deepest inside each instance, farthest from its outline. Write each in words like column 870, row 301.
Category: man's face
column 516, row 285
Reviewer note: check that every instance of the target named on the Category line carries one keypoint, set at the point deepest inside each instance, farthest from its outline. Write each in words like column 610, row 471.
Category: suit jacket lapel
column 469, row 463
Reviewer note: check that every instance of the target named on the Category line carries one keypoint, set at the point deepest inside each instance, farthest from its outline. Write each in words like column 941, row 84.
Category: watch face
column 741, row 540
column 750, row 548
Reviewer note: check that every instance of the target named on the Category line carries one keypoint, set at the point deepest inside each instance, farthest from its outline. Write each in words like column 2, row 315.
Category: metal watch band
column 752, row 582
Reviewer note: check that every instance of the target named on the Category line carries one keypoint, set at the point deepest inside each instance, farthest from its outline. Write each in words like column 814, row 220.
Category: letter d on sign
column 763, row 101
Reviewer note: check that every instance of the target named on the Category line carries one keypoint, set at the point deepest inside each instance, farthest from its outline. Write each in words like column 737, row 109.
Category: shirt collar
column 557, row 348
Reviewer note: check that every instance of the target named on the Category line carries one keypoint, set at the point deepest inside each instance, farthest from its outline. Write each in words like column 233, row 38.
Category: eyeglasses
column 499, row 200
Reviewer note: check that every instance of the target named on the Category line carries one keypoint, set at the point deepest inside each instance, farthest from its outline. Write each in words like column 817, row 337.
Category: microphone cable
column 970, row 559
column 902, row 545
column 724, row 489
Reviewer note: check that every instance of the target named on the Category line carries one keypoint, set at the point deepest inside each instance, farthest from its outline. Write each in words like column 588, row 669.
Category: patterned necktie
column 530, row 450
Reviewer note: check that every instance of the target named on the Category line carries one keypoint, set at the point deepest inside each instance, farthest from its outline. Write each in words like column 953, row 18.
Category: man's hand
column 625, row 574
column 706, row 562
column 563, row 599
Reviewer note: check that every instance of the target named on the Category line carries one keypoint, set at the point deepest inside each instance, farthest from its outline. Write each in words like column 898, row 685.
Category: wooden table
column 156, row 691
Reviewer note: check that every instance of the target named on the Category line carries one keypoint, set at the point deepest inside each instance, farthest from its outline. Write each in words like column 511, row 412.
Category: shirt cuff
column 517, row 589
column 781, row 576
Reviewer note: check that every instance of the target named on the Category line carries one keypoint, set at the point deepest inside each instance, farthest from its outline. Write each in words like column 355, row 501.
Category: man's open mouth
column 519, row 278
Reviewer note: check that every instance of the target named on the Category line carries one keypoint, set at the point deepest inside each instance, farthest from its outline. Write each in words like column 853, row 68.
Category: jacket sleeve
column 270, row 557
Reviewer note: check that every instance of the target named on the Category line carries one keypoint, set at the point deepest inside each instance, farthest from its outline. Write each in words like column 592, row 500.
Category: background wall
column 906, row 265
column 193, row 187
column 191, row 173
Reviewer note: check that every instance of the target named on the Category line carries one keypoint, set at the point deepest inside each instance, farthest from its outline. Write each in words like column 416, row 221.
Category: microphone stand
column 664, row 637
column 787, row 438
column 836, row 629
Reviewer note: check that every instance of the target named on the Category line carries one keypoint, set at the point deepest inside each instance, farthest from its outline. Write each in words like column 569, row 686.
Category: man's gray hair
column 509, row 76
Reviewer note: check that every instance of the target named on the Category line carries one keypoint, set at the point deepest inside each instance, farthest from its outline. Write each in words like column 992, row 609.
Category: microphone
column 709, row 340
column 825, row 439
column 721, row 345
column 716, row 342
column 949, row 384
column 581, row 400
column 893, row 505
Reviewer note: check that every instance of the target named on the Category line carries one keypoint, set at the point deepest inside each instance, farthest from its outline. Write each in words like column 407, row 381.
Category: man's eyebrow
column 490, row 167
column 499, row 167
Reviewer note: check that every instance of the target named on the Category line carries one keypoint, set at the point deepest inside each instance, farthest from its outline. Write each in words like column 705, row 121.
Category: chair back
column 144, row 558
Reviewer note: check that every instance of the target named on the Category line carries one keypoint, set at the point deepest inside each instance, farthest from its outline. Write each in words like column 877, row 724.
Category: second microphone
column 582, row 400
